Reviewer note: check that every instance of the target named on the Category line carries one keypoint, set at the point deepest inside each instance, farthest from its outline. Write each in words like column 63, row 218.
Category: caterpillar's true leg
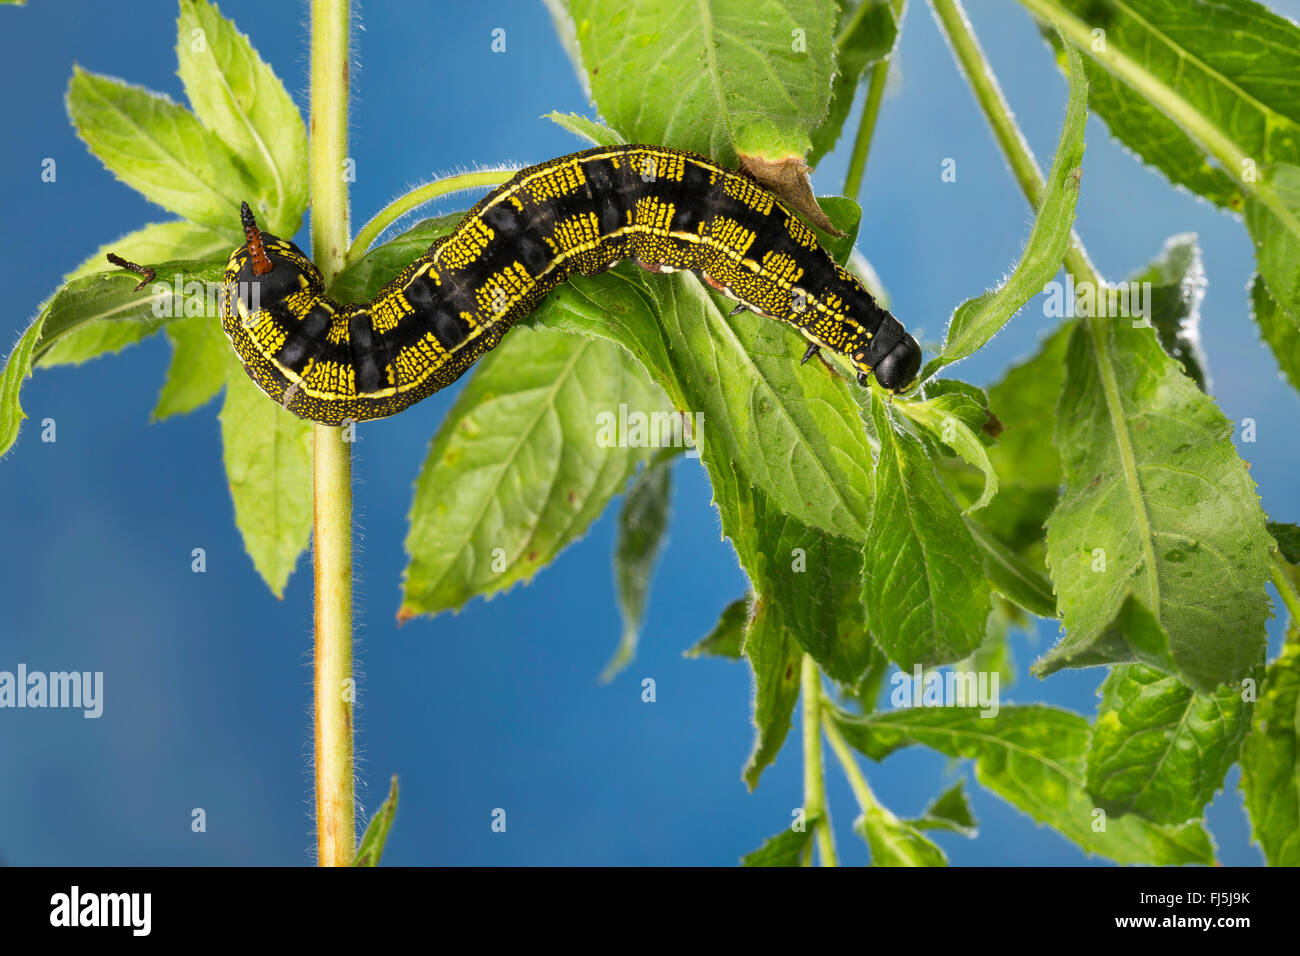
column 738, row 309
column 813, row 349
column 148, row 273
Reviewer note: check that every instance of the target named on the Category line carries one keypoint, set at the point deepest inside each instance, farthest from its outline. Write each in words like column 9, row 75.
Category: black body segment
column 667, row 209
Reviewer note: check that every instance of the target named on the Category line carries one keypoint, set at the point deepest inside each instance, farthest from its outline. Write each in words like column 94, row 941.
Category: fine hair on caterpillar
column 666, row 209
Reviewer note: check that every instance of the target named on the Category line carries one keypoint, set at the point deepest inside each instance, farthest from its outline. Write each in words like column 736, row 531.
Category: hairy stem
column 866, row 129
column 1280, row 573
column 814, row 781
column 332, row 459
column 418, row 197
column 857, row 782
column 988, row 94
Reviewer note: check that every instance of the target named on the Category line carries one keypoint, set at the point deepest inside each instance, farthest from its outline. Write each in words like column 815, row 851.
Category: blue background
column 207, row 676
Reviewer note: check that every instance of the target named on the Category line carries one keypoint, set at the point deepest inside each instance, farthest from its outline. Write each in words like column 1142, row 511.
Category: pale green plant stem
column 814, row 780
column 857, row 782
column 418, row 197
column 332, row 459
column 866, row 129
column 970, row 57
column 1285, row 588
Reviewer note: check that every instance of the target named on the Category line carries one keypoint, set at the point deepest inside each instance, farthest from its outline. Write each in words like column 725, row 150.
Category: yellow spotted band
column 667, row 209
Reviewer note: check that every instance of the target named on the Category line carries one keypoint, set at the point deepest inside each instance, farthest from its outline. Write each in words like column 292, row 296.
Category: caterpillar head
column 264, row 272
column 890, row 354
column 896, row 370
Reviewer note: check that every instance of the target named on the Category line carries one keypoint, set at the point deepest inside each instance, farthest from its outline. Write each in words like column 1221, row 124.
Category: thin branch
column 814, row 781
column 331, row 459
column 418, row 197
column 866, row 129
column 979, row 74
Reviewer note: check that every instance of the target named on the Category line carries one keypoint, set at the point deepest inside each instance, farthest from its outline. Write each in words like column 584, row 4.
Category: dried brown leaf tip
column 993, row 427
column 787, row 179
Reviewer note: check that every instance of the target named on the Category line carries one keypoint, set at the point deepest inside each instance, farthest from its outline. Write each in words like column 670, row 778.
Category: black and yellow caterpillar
column 667, row 209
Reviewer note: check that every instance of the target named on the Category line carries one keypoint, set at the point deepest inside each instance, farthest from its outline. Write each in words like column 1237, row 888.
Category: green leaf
column 793, row 432
column 1010, row 530
column 268, row 464
column 857, row 264
column 1133, row 634
column 1011, row 575
column 727, row 636
column 783, row 445
column 722, row 77
column 978, row 320
column 925, row 593
column 1154, row 138
column 784, row 849
column 810, row 580
column 816, row 581
column 947, row 417
column 198, row 367
column 641, row 527
column 1270, row 761
column 376, row 835
column 111, row 297
column 1224, row 75
column 741, row 378
column 1177, row 278
column 106, row 296
column 160, row 149
column 361, row 280
column 867, row 33
column 241, row 100
column 775, row 657
column 568, row 37
column 1277, row 329
column 1156, row 504
column 845, row 215
column 949, row 811
column 596, row 133
column 1287, row 537
column 1274, row 225
column 895, row 842
column 1032, row 757
column 529, row 455
column 1024, row 401
column 17, row 367
column 966, row 402
column 158, row 242
column 1159, row 749
column 994, row 655
column 866, row 692
column 1221, row 70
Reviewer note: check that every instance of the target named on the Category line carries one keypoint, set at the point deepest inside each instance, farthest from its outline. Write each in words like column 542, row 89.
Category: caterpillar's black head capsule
column 899, row 366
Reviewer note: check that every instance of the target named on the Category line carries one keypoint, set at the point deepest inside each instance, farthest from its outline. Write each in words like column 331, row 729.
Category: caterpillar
column 667, row 209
